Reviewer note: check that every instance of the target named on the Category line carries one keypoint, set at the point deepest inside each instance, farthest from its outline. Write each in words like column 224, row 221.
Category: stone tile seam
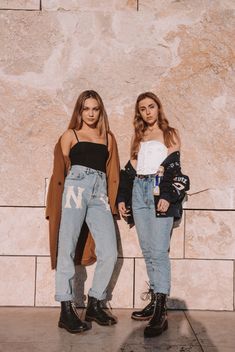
column 169, row 309
column 12, row 9
column 234, row 286
column 35, row 280
column 21, row 10
column 193, row 331
column 184, row 242
column 184, row 209
column 133, row 258
column 133, row 302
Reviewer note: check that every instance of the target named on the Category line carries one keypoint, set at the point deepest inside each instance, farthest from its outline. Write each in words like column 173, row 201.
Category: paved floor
column 35, row 330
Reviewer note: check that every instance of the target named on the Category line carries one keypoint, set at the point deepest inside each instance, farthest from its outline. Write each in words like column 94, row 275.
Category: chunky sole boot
column 156, row 331
column 158, row 324
column 69, row 319
column 147, row 312
column 95, row 313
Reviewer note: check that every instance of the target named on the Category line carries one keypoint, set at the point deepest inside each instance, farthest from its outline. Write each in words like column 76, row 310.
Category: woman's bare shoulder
column 68, row 135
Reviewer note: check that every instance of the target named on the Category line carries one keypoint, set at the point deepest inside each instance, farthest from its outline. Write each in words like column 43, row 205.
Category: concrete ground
column 35, row 330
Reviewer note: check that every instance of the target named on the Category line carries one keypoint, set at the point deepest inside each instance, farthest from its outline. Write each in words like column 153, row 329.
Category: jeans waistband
column 88, row 170
column 146, row 176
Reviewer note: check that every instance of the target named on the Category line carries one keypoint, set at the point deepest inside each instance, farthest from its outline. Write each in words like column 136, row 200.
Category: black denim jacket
column 173, row 187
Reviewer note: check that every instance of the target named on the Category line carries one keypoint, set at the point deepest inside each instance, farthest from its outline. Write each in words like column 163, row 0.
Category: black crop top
column 89, row 154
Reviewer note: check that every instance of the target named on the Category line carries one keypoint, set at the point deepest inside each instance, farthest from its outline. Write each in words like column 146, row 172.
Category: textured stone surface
column 190, row 288
column 120, row 290
column 202, row 284
column 181, row 50
column 183, row 53
column 24, row 231
column 128, row 244
column 20, row 4
column 88, row 5
column 17, row 281
column 177, row 241
column 210, row 234
column 120, row 294
column 45, row 283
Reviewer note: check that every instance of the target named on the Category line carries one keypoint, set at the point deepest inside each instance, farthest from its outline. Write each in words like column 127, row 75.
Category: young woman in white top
column 153, row 141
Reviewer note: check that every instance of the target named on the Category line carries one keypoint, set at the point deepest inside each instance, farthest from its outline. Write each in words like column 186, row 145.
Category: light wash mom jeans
column 85, row 198
column 154, row 235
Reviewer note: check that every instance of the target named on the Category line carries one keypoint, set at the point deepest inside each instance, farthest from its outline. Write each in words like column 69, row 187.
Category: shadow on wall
column 180, row 337
column 81, row 277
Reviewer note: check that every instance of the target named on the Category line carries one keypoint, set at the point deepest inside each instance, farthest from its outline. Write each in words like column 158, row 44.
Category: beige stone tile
column 89, row 5
column 202, row 284
column 120, row 290
column 212, row 198
column 141, row 282
column 190, row 289
column 217, row 333
column 54, row 68
column 24, row 231
column 17, row 281
column 20, row 4
column 128, row 244
column 45, row 283
column 25, row 166
column 210, row 234
column 177, row 240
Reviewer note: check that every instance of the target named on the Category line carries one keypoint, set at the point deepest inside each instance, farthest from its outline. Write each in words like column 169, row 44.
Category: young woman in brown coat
column 86, row 160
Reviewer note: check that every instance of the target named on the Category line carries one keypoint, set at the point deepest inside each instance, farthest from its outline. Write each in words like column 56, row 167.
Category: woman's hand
column 163, row 205
column 122, row 209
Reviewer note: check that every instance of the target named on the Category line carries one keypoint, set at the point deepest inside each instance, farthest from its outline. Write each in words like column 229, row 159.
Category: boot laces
column 147, row 295
column 74, row 309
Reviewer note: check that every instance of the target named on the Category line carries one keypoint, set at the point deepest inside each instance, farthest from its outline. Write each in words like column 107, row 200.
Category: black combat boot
column 147, row 312
column 159, row 322
column 95, row 313
column 69, row 319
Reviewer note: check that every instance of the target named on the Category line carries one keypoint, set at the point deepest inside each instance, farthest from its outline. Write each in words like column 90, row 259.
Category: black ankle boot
column 147, row 312
column 95, row 313
column 69, row 319
column 159, row 322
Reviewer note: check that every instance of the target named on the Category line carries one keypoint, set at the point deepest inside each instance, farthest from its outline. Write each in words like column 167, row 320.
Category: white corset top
column 150, row 156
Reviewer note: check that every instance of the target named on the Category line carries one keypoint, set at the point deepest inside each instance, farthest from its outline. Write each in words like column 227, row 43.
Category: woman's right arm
column 66, row 142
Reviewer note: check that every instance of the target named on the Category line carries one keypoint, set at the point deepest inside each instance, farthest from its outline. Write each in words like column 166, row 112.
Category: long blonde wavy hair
column 76, row 119
column 140, row 126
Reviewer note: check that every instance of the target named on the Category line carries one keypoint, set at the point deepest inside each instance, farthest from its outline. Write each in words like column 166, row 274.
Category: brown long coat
column 85, row 251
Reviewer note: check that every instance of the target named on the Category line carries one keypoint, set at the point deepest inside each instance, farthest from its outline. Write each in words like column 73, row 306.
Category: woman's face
column 148, row 110
column 91, row 112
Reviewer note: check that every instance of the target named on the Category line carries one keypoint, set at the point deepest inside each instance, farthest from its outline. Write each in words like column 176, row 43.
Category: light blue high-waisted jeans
column 154, row 235
column 85, row 198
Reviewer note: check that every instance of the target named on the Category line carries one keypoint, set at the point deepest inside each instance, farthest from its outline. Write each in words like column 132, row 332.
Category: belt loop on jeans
column 145, row 176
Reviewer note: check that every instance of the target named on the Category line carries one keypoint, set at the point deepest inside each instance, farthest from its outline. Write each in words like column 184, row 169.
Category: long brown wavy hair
column 140, row 126
column 76, row 119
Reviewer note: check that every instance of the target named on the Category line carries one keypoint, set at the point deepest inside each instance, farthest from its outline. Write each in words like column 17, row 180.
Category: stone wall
column 182, row 50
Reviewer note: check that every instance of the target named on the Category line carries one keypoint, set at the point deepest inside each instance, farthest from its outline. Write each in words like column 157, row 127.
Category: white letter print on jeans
column 77, row 199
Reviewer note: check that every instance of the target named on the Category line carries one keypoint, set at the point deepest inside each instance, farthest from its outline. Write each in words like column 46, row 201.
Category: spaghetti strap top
column 89, row 154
